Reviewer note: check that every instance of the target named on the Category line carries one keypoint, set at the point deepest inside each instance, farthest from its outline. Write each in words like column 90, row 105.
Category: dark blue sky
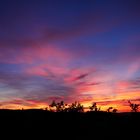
column 85, row 50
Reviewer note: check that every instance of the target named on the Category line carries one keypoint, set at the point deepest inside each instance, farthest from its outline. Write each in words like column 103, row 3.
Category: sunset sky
column 71, row 50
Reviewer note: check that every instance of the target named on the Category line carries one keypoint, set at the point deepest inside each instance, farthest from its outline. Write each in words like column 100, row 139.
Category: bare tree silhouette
column 134, row 107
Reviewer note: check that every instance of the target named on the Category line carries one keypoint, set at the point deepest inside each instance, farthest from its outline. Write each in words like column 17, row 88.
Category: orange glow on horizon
column 119, row 105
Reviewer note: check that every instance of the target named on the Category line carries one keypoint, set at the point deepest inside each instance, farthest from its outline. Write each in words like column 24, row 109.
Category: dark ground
column 40, row 123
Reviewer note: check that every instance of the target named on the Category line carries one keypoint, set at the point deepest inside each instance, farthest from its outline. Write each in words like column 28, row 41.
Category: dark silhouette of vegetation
column 134, row 107
column 62, row 107
column 94, row 107
column 111, row 109
column 70, row 123
column 59, row 107
column 76, row 107
column 114, row 110
column 70, row 119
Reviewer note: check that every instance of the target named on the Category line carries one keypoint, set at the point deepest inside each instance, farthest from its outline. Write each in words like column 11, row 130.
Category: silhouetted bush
column 134, row 107
column 94, row 107
column 76, row 107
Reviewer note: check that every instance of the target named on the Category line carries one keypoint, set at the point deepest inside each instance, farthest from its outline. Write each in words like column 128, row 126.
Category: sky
column 70, row 50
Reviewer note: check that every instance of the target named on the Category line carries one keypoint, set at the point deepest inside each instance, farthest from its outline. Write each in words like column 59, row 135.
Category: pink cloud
column 33, row 54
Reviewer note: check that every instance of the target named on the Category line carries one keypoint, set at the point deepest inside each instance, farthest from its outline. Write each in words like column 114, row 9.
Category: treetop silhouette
column 134, row 107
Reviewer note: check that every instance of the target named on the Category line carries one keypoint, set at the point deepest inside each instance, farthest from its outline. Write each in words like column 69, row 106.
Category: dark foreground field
column 50, row 124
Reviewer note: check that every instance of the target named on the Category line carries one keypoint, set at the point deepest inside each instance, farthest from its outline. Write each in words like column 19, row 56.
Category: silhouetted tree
column 134, row 107
column 109, row 109
column 76, row 107
column 94, row 107
column 114, row 110
column 59, row 107
column 53, row 104
column 46, row 108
